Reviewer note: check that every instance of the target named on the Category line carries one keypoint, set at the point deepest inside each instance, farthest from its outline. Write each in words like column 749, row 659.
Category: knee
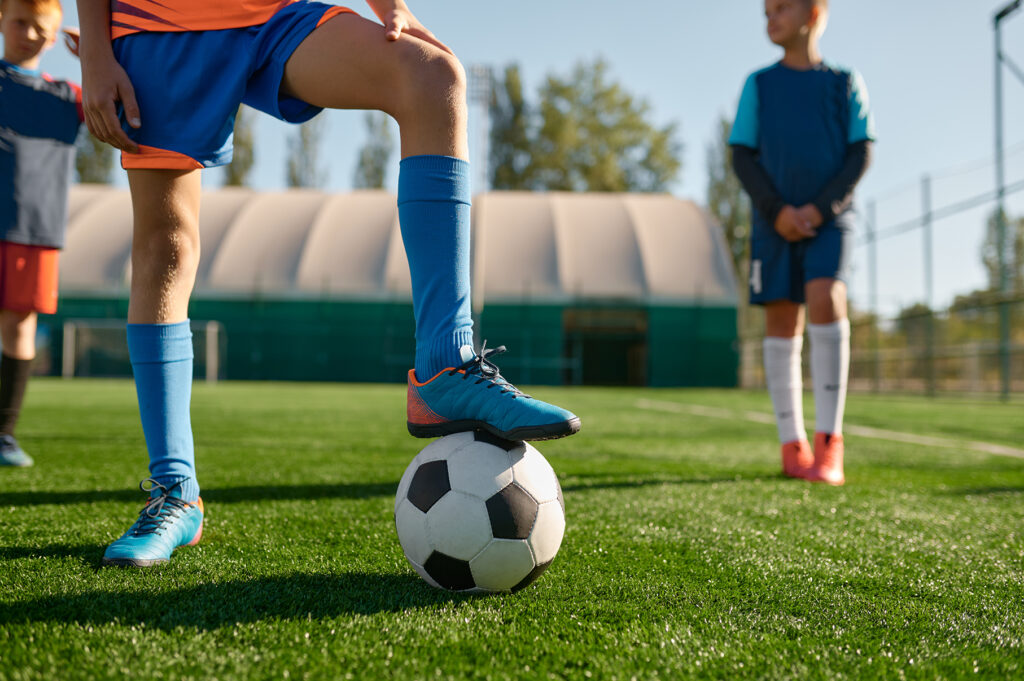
column 167, row 253
column 434, row 82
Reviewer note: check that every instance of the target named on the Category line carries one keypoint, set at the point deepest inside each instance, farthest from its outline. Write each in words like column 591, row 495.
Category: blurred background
column 593, row 98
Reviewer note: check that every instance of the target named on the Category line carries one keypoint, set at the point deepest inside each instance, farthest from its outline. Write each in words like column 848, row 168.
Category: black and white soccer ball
column 478, row 513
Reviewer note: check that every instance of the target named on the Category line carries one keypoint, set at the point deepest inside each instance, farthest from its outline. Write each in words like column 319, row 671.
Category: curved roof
column 543, row 247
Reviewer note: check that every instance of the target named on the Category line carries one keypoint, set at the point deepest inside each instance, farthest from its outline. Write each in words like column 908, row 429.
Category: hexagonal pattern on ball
column 548, row 531
column 533, row 472
column 411, row 524
column 502, row 565
column 512, row 512
column 451, row 573
column 480, row 469
column 429, row 483
column 458, row 525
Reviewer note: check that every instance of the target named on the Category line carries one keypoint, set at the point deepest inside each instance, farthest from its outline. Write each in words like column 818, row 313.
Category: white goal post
column 99, row 347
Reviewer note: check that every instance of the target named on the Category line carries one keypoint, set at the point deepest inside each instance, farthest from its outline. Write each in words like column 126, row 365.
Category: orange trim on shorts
column 158, row 159
column 333, row 12
column 28, row 277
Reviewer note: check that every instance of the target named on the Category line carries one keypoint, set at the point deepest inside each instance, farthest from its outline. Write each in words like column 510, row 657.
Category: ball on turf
column 481, row 514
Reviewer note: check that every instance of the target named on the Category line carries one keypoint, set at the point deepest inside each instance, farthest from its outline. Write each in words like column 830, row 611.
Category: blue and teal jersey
column 39, row 122
column 800, row 123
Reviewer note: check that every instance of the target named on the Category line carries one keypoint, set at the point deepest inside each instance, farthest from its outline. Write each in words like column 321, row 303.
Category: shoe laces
column 160, row 509
column 485, row 370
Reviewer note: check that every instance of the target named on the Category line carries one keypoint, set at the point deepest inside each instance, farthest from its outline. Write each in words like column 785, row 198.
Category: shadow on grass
column 981, row 491
column 583, row 483
column 226, row 495
column 211, row 606
column 90, row 554
column 237, row 495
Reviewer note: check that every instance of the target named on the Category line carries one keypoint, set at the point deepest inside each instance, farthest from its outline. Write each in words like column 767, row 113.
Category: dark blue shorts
column 779, row 269
column 189, row 85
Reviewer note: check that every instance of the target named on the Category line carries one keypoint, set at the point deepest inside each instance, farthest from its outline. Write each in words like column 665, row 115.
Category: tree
column 94, row 160
column 236, row 174
column 588, row 134
column 372, row 167
column 1015, row 257
column 510, row 166
column 726, row 199
column 304, row 155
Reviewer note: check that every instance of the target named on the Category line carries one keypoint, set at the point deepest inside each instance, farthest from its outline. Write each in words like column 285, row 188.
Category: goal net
column 99, row 348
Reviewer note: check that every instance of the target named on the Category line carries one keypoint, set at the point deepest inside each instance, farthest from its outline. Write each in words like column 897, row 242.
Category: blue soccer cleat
column 164, row 524
column 474, row 396
column 11, row 453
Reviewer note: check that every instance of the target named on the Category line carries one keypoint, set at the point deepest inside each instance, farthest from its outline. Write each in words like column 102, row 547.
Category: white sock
column 785, row 384
column 830, row 367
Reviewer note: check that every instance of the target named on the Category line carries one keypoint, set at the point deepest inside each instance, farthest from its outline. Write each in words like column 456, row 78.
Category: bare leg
column 18, row 333
column 165, row 244
column 826, row 300
column 348, row 64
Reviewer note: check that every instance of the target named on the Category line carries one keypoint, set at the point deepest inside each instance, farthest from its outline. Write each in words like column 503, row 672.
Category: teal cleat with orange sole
column 475, row 396
column 165, row 523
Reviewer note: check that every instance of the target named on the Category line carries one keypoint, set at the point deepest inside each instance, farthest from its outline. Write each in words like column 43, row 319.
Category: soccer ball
column 478, row 513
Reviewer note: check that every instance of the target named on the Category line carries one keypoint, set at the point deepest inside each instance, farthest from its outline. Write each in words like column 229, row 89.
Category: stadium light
column 1001, row 231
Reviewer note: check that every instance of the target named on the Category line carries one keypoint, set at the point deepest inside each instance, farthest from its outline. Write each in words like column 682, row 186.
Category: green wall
column 311, row 340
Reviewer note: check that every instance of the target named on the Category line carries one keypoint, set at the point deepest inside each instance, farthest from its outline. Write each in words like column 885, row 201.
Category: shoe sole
column 134, row 562
column 551, row 431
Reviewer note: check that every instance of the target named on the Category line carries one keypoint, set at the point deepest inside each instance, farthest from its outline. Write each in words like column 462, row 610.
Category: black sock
column 14, row 375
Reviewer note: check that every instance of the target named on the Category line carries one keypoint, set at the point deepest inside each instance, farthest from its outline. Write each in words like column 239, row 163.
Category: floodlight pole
column 1004, row 278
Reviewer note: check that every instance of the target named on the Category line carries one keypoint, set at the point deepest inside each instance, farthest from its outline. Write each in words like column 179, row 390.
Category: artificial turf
column 686, row 553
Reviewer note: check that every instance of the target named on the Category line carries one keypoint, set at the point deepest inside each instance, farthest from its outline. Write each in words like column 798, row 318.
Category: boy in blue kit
column 801, row 141
column 177, row 72
column 39, row 122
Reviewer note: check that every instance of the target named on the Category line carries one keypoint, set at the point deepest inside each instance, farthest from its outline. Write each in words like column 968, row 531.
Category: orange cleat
column 797, row 458
column 828, row 459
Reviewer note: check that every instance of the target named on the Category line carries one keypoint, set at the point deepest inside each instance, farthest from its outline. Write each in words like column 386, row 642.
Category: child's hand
column 71, row 39
column 104, row 84
column 811, row 215
column 399, row 21
column 792, row 225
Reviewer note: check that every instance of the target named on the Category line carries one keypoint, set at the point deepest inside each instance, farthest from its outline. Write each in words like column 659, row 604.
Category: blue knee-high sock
column 161, row 356
column 433, row 209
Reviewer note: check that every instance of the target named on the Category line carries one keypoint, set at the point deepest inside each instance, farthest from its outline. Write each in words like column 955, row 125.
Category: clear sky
column 928, row 65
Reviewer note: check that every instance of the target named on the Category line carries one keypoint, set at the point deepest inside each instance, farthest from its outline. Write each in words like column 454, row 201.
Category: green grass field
column 686, row 553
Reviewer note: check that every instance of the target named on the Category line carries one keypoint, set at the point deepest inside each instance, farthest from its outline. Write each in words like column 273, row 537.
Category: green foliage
column 510, row 142
column 727, row 202
column 94, row 160
column 303, row 163
column 236, row 174
column 686, row 554
column 1014, row 253
column 588, row 134
column 375, row 156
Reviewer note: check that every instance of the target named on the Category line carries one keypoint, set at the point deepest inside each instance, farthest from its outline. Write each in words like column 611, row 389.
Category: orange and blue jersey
column 151, row 16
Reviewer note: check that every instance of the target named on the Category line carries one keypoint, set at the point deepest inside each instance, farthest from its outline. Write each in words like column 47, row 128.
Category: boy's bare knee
column 434, row 83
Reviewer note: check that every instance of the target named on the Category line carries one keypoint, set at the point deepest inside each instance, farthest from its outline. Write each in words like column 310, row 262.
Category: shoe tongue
column 466, row 353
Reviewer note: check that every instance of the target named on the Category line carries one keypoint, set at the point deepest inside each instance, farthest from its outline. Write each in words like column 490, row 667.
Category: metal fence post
column 929, row 284
column 876, row 369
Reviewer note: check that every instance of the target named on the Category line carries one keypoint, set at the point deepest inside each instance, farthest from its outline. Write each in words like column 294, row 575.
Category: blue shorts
column 189, row 85
column 780, row 270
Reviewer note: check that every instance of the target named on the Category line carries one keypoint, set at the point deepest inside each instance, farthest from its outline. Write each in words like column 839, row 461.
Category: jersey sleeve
column 745, row 129
column 862, row 123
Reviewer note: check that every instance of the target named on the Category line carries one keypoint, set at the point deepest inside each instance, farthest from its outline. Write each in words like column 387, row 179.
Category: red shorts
column 28, row 278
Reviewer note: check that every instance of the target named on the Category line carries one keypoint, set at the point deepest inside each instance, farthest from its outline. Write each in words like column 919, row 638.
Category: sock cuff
column 838, row 329
column 14, row 361
column 158, row 343
column 793, row 345
column 434, row 178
